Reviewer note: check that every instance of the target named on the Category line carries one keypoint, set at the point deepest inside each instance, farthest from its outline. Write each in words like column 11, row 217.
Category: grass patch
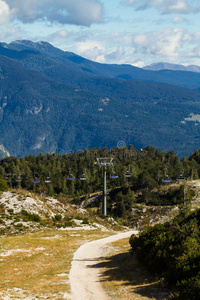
column 123, row 277
column 38, row 264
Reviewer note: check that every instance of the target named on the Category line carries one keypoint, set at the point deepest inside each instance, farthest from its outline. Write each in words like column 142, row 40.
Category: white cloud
column 141, row 4
column 178, row 20
column 91, row 49
column 174, row 45
column 60, row 34
column 163, row 43
column 137, row 20
column 10, row 32
column 165, row 6
column 177, row 6
column 5, row 13
column 122, row 55
column 195, row 53
column 78, row 12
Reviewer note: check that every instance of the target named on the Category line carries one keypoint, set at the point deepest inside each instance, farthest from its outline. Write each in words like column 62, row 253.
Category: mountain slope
column 174, row 67
column 67, row 66
column 38, row 114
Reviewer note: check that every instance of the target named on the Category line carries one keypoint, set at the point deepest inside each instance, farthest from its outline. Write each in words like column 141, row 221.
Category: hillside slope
column 66, row 66
column 43, row 115
column 56, row 101
column 166, row 66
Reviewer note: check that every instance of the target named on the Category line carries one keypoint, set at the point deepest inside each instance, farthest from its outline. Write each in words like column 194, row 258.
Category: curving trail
column 84, row 278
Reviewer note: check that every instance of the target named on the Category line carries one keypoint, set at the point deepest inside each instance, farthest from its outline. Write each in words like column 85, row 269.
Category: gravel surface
column 84, row 277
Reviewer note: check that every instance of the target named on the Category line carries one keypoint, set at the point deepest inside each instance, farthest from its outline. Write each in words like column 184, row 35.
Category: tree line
column 50, row 174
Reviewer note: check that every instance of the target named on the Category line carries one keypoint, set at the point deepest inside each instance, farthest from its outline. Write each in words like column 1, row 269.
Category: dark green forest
column 149, row 170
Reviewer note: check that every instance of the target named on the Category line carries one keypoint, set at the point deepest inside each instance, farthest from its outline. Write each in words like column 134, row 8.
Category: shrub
column 58, row 218
column 86, row 221
column 17, row 219
column 173, row 250
column 19, row 225
column 3, row 185
column 43, row 223
column 30, row 217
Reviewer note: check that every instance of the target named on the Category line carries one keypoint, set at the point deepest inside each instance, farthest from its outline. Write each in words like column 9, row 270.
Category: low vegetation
column 36, row 266
column 123, row 277
column 173, row 251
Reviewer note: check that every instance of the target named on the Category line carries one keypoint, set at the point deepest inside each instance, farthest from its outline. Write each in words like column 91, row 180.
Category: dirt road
column 84, row 277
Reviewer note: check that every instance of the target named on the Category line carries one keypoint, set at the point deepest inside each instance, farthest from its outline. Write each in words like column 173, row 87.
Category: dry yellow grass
column 36, row 266
column 123, row 278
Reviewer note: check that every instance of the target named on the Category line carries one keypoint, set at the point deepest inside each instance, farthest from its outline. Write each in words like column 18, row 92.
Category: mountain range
column 56, row 101
column 166, row 66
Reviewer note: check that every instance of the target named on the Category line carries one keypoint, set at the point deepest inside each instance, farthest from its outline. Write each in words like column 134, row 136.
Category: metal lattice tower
column 104, row 162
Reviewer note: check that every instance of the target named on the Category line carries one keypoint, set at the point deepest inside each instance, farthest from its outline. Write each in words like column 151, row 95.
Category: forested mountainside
column 147, row 168
column 56, row 101
column 66, row 66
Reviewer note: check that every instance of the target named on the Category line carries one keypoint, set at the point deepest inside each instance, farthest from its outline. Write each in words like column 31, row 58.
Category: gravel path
column 84, row 276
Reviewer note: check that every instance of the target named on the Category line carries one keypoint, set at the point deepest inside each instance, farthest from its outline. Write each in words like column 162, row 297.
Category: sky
column 136, row 32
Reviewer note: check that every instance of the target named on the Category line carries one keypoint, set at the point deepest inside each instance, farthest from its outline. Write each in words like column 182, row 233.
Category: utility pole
column 104, row 206
column 104, row 162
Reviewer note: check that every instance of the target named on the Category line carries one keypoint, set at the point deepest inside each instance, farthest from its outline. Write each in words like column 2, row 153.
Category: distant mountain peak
column 38, row 46
column 174, row 67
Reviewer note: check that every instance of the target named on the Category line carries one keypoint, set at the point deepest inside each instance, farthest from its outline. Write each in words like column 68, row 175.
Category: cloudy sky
column 137, row 32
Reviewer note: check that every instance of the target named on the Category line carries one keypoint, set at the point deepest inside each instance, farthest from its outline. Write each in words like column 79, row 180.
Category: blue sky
column 137, row 32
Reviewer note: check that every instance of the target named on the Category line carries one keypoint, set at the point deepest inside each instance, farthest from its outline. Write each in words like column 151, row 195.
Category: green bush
column 173, row 250
column 19, row 225
column 58, row 218
column 30, row 217
column 3, row 185
column 86, row 221
column 69, row 224
column 43, row 222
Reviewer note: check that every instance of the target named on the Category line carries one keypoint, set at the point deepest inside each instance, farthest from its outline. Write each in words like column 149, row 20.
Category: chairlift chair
column 18, row 179
column 36, row 179
column 71, row 177
column 166, row 179
column 7, row 179
column 48, row 179
column 83, row 176
column 181, row 176
column 113, row 175
column 128, row 173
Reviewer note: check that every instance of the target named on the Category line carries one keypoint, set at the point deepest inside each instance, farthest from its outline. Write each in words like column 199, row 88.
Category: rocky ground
column 22, row 211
